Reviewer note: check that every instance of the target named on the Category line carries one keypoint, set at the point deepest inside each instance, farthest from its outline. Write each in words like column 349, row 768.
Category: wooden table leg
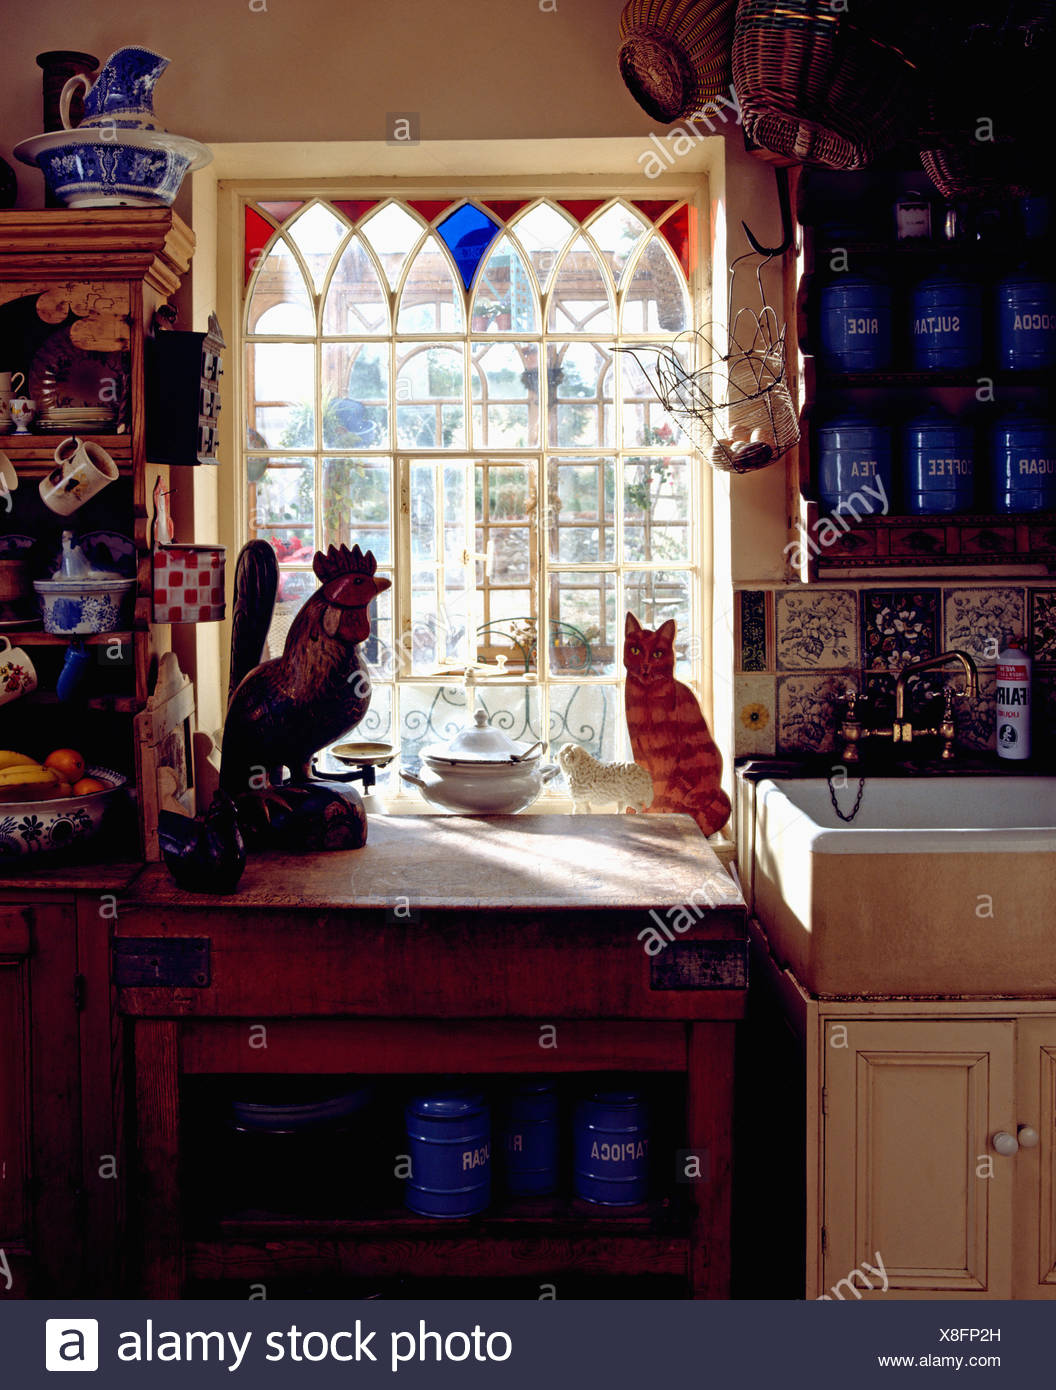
column 156, row 1046
column 709, row 1119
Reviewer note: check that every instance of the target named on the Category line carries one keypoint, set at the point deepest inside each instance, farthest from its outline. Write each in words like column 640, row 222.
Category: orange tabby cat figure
column 669, row 735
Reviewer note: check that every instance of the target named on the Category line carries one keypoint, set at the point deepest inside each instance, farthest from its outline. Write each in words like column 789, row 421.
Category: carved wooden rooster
column 285, row 710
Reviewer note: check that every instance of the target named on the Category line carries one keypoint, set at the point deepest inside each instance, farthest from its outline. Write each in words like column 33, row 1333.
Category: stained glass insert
column 355, row 208
column 680, row 233
column 468, row 233
column 280, row 211
column 258, row 232
column 392, row 232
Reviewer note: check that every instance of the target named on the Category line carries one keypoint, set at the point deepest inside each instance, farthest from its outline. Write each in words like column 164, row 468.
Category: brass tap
column 851, row 735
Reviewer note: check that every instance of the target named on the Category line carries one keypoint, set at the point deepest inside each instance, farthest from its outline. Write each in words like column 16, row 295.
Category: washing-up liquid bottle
column 1013, row 701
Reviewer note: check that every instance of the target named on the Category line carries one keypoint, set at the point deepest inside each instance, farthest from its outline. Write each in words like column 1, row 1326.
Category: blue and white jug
column 121, row 97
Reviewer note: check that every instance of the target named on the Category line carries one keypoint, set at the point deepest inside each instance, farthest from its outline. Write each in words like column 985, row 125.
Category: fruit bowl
column 39, row 826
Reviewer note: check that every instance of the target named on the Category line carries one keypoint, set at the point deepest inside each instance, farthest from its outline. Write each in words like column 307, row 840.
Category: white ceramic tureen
column 482, row 772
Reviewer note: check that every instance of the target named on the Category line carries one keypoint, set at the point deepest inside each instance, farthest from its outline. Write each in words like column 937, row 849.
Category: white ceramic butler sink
column 940, row 886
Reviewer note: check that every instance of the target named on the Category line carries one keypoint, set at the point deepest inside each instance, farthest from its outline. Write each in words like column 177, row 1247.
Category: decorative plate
column 65, row 376
column 17, row 543
column 104, row 550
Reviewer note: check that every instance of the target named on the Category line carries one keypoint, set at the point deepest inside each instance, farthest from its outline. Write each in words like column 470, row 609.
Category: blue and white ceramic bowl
column 79, row 607
column 95, row 169
column 60, row 823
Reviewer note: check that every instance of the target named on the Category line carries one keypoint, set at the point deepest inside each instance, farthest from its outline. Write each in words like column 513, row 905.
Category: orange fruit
column 88, row 784
column 67, row 762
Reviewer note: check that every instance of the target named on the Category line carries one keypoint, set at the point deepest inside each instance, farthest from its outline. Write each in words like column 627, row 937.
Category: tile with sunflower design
column 899, row 626
column 754, row 710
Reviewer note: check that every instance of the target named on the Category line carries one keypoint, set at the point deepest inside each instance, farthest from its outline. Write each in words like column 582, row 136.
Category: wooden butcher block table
column 507, row 944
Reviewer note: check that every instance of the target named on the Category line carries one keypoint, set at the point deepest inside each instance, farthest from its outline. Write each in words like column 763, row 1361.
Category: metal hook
column 785, row 203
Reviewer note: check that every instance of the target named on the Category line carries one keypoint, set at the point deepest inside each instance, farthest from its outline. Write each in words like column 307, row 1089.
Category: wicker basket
column 816, row 86
column 675, row 54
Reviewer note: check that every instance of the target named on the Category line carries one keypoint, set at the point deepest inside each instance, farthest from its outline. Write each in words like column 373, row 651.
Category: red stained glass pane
column 427, row 209
column 506, row 210
column 582, row 208
column 355, row 208
column 258, row 233
column 680, row 233
column 654, row 210
column 280, row 211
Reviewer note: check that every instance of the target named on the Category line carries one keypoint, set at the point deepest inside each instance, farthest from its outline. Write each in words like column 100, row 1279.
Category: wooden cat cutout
column 669, row 735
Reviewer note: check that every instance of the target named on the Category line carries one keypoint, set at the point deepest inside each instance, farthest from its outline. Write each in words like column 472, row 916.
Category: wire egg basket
column 735, row 408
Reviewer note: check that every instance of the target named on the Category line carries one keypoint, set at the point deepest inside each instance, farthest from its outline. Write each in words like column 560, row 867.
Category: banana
column 24, row 776
column 9, row 759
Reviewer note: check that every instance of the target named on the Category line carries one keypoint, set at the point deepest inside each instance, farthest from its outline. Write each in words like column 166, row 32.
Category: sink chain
column 857, row 800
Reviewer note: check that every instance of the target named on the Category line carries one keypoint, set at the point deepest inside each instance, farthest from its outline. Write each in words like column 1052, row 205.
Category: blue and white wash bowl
column 79, row 607
column 114, row 168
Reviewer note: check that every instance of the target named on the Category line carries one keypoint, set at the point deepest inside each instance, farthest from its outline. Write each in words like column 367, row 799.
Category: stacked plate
column 83, row 419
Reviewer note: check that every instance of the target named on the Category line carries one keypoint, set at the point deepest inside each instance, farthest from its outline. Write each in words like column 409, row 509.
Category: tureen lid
column 481, row 744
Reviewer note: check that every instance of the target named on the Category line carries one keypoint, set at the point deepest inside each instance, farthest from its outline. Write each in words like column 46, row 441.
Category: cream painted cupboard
column 929, row 1142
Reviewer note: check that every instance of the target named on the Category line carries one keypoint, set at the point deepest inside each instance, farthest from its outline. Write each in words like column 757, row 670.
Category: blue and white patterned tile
column 1043, row 625
column 982, row 621
column 817, row 630
column 755, row 626
column 806, row 711
column 975, row 719
column 754, row 713
column 899, row 626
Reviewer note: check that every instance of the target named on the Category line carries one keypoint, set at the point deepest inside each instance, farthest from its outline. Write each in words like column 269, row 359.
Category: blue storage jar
column 530, row 1140
column 449, row 1142
column 946, row 324
column 938, row 464
column 1024, row 458
column 1026, row 322
column 611, row 1149
column 855, row 319
column 854, row 452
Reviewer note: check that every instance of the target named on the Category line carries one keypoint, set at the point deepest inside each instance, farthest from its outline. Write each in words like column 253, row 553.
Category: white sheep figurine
column 596, row 784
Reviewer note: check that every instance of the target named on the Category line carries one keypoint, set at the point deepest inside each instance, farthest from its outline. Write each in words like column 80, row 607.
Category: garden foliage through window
column 437, row 381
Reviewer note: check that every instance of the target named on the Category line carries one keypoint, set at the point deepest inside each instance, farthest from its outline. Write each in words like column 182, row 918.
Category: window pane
column 656, row 299
column 429, row 398
column 357, row 508
column 429, row 714
column 355, row 395
column 585, row 714
column 443, row 612
column 505, row 395
column 579, row 300
column 543, row 232
column 430, row 301
column 392, row 232
column 645, row 421
column 282, row 508
column 580, row 379
column 617, row 232
column 656, row 510
column 580, row 513
column 653, row 596
column 281, row 302
column 356, row 301
column 582, row 608
column 317, row 233
column 281, row 392
column 504, row 298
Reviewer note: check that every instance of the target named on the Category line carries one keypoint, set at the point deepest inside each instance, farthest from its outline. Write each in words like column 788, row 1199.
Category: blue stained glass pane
column 468, row 233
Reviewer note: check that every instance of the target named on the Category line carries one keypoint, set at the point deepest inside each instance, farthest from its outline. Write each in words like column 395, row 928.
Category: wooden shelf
column 34, row 454
column 37, row 637
column 107, row 704
column 540, row 1237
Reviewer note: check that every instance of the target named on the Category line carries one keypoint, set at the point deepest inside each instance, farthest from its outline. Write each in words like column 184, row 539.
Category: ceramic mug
column 10, row 384
column 83, row 469
column 23, row 413
column 17, row 676
column 8, row 480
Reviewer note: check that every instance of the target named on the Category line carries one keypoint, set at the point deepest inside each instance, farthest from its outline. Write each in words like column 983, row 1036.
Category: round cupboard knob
column 1005, row 1143
column 1028, row 1137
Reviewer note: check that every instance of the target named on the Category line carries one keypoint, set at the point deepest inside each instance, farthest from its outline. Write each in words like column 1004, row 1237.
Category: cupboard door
column 913, row 1186
column 1034, row 1246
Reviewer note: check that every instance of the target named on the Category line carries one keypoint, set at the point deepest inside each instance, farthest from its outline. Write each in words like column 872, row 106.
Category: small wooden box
column 183, row 395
